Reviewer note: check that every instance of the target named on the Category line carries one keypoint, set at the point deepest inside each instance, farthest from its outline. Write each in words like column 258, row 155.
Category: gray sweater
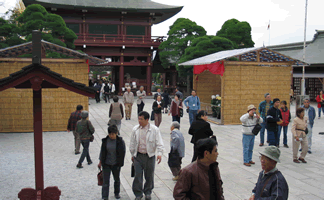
column 248, row 123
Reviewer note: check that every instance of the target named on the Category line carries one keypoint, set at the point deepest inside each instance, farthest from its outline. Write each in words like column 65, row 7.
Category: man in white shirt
column 145, row 141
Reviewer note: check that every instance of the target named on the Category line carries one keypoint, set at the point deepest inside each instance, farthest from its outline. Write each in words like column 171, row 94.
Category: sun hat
column 271, row 152
column 250, row 107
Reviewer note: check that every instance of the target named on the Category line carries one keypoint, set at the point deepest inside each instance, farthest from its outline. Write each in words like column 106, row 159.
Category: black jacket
column 107, row 89
column 273, row 116
column 120, row 151
column 155, row 107
column 200, row 129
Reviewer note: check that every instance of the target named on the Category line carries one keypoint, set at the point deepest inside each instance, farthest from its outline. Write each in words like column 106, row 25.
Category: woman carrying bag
column 299, row 129
column 112, row 156
column 157, row 108
column 249, row 121
column 85, row 129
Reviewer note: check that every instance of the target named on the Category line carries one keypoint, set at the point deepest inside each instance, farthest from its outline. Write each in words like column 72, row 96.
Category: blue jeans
column 319, row 111
column 107, row 169
column 273, row 138
column 85, row 152
column 176, row 118
column 285, row 129
column 248, row 144
column 262, row 131
column 192, row 115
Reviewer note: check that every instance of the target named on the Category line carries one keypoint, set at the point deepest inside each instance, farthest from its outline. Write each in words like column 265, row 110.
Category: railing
column 119, row 38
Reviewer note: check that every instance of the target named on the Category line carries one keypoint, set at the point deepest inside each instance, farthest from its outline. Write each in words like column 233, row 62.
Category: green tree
column 238, row 32
column 180, row 36
column 9, row 34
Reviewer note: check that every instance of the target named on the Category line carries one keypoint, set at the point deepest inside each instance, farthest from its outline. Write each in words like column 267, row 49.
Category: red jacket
column 318, row 99
column 285, row 117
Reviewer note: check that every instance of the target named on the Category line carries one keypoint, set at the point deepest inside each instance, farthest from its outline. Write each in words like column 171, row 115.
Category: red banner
column 215, row 68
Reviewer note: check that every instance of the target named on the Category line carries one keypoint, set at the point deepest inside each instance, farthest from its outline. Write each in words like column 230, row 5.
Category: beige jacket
column 128, row 97
column 140, row 94
column 299, row 124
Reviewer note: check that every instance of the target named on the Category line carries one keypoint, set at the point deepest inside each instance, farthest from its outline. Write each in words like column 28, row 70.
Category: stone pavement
column 17, row 162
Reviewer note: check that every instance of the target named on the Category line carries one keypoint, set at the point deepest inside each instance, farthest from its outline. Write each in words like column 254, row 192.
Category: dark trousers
column 85, row 152
column 107, row 169
column 175, row 170
column 194, row 158
column 97, row 96
column 106, row 97
column 140, row 107
column 146, row 164
column 273, row 138
column 176, row 118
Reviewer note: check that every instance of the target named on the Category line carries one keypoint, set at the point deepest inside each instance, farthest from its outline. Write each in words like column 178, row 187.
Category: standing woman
column 111, row 158
column 249, row 120
column 299, row 136
column 199, row 129
column 116, row 113
column 85, row 129
column 157, row 107
column 176, row 105
column 166, row 102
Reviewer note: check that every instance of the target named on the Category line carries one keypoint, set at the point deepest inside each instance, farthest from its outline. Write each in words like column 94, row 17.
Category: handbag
column 173, row 160
column 152, row 115
column 133, row 170
column 100, row 177
column 181, row 112
column 256, row 129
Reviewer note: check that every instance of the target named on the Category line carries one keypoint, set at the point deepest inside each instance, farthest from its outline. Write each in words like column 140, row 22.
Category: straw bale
column 57, row 104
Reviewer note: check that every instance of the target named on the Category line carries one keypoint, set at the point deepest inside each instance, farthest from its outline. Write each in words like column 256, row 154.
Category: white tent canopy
column 247, row 54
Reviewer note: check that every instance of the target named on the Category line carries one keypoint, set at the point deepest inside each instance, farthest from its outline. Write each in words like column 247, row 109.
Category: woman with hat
column 249, row 120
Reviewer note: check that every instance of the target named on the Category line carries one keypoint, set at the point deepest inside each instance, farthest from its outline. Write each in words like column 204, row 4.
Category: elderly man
column 201, row 179
column 177, row 150
column 249, row 121
column 264, row 106
column 310, row 114
column 128, row 99
column 141, row 94
column 271, row 183
column 145, row 140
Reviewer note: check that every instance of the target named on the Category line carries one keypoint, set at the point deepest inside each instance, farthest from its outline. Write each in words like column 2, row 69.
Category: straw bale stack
column 16, row 105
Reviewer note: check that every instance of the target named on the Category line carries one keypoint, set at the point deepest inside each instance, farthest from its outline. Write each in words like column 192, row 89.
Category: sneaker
column 117, row 196
column 79, row 166
column 175, row 178
column 309, row 151
column 286, row 146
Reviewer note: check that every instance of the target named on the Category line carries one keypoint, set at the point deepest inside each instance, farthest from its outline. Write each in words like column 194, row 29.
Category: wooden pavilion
column 243, row 82
column 117, row 31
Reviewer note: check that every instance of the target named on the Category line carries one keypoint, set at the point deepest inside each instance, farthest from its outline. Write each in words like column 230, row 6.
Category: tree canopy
column 182, row 32
column 238, row 32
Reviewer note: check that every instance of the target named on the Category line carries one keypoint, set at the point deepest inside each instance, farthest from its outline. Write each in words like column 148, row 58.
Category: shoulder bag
column 91, row 137
column 265, row 184
column 306, row 130
column 256, row 129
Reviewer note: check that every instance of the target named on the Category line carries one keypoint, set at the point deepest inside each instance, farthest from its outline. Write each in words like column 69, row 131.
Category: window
column 74, row 27
column 103, row 29
column 135, row 30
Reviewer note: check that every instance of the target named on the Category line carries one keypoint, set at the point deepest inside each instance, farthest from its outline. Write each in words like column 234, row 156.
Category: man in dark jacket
column 201, row 179
column 271, row 183
column 264, row 106
column 273, row 120
column 74, row 118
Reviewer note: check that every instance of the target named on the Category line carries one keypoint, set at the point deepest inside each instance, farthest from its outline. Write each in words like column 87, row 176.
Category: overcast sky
column 286, row 17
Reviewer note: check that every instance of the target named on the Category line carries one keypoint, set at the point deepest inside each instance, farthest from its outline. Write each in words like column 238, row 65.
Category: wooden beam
column 48, row 60
column 258, row 56
column 257, row 63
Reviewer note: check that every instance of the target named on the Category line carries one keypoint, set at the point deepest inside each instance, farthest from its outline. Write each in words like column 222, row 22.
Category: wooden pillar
column 121, row 79
column 38, row 139
column 163, row 77
column 174, row 79
column 148, row 79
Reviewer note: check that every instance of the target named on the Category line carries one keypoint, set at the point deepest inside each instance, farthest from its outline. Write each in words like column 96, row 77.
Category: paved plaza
column 17, row 161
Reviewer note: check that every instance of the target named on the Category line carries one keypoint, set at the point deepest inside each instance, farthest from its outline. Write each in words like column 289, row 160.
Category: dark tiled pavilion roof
column 26, row 48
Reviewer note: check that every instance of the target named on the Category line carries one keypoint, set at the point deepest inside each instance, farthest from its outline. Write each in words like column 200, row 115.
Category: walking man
column 273, row 120
column 201, row 179
column 74, row 118
column 141, row 94
column 128, row 99
column 310, row 113
column 193, row 104
column 271, row 183
column 179, row 93
column 264, row 106
column 145, row 141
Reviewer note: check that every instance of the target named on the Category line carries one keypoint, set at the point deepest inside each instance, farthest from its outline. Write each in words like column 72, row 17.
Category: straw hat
column 271, row 152
column 250, row 107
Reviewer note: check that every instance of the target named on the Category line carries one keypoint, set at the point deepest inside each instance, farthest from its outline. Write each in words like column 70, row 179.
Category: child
column 285, row 117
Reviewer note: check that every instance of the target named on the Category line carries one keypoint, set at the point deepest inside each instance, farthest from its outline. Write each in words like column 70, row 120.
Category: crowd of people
column 201, row 179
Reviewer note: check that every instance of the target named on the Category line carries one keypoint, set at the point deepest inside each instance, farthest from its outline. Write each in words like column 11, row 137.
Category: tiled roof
column 26, row 48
